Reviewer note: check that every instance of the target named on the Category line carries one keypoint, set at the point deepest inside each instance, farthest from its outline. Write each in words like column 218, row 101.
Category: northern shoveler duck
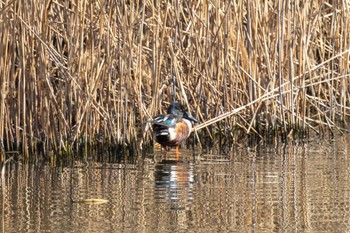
column 173, row 128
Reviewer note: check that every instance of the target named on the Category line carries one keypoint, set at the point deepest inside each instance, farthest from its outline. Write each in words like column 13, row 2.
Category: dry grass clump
column 90, row 71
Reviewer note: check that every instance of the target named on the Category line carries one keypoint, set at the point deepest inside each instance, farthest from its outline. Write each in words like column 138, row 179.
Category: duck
column 173, row 128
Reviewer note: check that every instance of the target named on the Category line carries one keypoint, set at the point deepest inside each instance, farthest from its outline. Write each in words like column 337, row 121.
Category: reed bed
column 84, row 71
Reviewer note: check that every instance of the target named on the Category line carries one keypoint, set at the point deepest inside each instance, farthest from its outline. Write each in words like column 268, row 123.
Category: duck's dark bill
column 192, row 118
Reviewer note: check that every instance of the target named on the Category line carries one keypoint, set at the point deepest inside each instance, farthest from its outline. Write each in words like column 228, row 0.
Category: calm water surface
column 286, row 188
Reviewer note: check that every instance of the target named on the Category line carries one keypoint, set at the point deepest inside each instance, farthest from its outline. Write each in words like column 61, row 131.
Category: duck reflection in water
column 174, row 182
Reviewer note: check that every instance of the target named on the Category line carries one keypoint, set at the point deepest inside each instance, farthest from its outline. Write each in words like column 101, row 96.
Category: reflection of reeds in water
column 87, row 73
column 270, row 189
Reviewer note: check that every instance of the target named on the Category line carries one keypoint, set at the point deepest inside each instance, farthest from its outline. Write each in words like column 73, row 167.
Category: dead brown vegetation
column 86, row 71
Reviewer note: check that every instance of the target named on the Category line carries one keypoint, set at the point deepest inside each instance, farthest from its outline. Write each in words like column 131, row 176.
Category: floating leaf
column 92, row 201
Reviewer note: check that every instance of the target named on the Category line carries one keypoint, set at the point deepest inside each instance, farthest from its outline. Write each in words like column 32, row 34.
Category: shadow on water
column 279, row 188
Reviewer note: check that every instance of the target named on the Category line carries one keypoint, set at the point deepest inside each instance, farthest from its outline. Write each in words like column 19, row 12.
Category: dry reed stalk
column 89, row 72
